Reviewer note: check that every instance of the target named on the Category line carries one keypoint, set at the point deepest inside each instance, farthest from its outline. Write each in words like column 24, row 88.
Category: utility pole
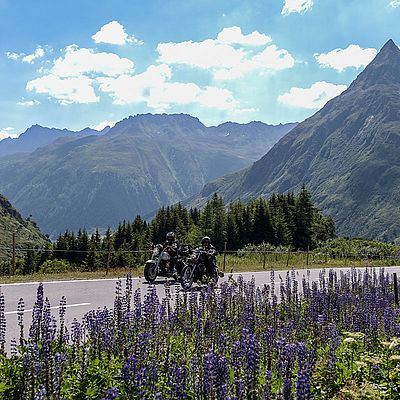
column 13, row 253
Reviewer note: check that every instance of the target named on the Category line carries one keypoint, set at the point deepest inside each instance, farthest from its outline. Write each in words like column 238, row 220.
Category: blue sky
column 82, row 63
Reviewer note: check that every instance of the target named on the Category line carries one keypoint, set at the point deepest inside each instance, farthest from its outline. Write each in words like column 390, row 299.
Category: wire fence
column 13, row 259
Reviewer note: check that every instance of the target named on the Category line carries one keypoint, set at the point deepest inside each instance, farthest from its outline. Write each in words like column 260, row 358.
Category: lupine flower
column 303, row 385
column 268, row 383
column 252, row 358
column 287, row 389
column 177, row 381
column 20, row 313
column 41, row 393
column 13, row 348
column 210, row 343
column 2, row 323
column 111, row 394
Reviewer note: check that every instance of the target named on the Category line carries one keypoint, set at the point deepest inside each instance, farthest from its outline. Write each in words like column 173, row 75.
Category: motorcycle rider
column 171, row 247
column 210, row 260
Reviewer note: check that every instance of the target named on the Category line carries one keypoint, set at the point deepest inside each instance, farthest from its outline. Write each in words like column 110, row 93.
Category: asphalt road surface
column 85, row 295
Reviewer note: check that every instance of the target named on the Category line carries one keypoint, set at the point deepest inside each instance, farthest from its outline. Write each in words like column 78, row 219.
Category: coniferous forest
column 289, row 220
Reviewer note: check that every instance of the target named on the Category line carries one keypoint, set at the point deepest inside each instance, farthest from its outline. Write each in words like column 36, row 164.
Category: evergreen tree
column 262, row 226
column 303, row 220
column 30, row 263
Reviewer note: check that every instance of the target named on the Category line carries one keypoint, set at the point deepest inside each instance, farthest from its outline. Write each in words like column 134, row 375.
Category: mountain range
column 347, row 154
column 38, row 136
column 142, row 163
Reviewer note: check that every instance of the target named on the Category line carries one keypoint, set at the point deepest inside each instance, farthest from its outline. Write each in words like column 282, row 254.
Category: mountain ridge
column 346, row 154
column 38, row 136
column 140, row 164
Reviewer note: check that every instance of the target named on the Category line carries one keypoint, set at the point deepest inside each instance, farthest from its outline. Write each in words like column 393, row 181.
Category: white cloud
column 65, row 90
column 221, row 99
column 126, row 89
column 206, row 54
column 273, row 58
column 313, row 97
column 7, row 133
column 39, row 52
column 114, row 33
column 395, row 3
column 296, row 6
column 224, row 57
column 71, row 78
column 28, row 103
column 154, row 87
column 27, row 58
column 103, row 124
column 234, row 35
column 352, row 56
column 78, row 61
column 14, row 56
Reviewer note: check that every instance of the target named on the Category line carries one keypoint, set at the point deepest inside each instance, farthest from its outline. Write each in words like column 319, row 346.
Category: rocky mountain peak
column 383, row 69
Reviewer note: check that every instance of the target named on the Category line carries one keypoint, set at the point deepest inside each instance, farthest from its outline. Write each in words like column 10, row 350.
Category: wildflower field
column 338, row 338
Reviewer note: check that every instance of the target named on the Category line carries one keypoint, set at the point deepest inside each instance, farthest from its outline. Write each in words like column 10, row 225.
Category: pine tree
column 303, row 220
column 262, row 227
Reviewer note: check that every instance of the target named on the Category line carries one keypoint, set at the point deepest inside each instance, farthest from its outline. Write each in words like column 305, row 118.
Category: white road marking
column 51, row 308
column 71, row 281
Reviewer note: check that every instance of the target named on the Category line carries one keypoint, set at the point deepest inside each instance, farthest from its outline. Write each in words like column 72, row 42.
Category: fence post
column 13, row 254
column 264, row 255
column 108, row 259
column 287, row 261
column 308, row 249
column 396, row 289
column 223, row 268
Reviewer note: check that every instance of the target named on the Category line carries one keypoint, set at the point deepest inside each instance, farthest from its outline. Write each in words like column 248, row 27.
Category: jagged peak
column 389, row 46
column 383, row 69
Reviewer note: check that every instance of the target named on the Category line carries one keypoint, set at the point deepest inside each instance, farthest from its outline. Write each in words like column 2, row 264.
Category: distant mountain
column 37, row 136
column 140, row 164
column 26, row 232
column 348, row 155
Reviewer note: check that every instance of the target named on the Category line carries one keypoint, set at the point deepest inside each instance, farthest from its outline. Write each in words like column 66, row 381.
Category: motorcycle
column 162, row 264
column 196, row 270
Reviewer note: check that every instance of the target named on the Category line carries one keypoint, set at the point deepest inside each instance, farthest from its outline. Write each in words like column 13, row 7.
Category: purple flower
column 287, row 389
column 111, row 394
column 251, row 348
column 20, row 312
column 303, row 385
column 240, row 389
column 177, row 382
column 2, row 323
column 268, row 385
column 40, row 393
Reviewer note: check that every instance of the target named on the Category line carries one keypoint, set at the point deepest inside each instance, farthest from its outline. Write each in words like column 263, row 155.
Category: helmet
column 206, row 241
column 170, row 237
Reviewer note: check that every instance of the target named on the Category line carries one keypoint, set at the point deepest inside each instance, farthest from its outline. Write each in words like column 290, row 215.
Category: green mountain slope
column 347, row 154
column 140, row 164
column 26, row 232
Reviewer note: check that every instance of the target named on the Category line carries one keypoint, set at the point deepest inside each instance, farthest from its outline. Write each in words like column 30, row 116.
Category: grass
column 233, row 263
column 275, row 261
column 71, row 275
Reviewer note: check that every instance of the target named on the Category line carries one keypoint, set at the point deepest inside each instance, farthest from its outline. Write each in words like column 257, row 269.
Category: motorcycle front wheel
column 187, row 278
column 150, row 272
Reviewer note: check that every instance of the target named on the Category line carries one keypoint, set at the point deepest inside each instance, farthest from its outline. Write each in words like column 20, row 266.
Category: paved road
column 85, row 295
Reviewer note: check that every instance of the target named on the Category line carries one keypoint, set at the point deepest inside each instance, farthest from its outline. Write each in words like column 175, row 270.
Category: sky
column 92, row 63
